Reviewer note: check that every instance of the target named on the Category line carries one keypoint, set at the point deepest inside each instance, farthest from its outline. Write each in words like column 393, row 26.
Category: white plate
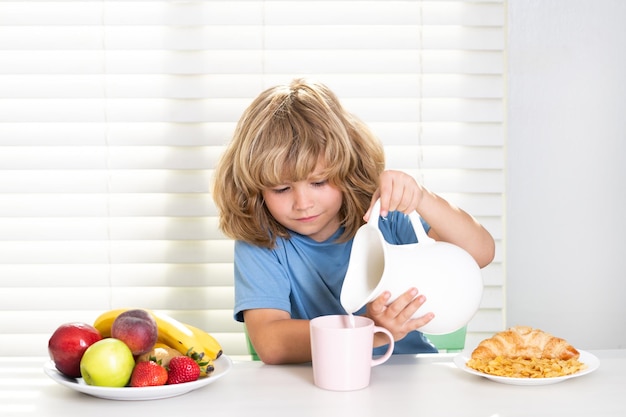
column 222, row 366
column 587, row 358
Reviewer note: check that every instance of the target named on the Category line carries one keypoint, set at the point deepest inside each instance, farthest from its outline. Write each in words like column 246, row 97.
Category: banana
column 181, row 337
column 186, row 339
column 209, row 343
column 104, row 321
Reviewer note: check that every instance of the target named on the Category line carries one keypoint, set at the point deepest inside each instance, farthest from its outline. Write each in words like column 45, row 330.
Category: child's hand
column 398, row 191
column 396, row 317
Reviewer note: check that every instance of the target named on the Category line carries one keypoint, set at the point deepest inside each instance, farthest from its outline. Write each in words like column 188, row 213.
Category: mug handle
column 387, row 355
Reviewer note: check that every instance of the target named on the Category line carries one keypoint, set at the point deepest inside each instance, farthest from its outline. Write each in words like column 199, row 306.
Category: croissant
column 524, row 342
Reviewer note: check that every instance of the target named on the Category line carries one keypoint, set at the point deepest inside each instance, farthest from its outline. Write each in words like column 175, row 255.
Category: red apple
column 68, row 344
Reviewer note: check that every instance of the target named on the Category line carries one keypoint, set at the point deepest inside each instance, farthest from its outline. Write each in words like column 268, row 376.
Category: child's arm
column 277, row 338
column 453, row 225
column 399, row 191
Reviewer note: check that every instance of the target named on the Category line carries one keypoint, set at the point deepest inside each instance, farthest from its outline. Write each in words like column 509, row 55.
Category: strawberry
column 147, row 374
column 182, row 369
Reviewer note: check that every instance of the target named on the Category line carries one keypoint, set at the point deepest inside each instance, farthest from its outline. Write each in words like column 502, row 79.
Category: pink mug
column 342, row 351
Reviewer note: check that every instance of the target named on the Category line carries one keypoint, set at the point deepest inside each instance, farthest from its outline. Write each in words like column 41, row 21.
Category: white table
column 407, row 385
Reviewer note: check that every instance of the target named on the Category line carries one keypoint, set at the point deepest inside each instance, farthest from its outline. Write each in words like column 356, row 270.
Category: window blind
column 114, row 113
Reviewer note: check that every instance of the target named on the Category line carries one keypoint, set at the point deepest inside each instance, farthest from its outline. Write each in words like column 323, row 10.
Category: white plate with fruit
column 222, row 366
column 134, row 354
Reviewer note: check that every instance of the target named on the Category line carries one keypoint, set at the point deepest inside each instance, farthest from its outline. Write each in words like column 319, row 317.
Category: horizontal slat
column 119, row 275
column 250, row 12
column 130, row 12
column 462, row 157
column 493, row 297
column 103, row 252
column 493, row 225
column 398, row 85
column 176, row 38
column 17, row 157
column 102, row 181
column 493, row 274
column 133, row 86
column 125, row 252
column 115, row 134
column 197, row 158
column 207, row 110
column 219, row 298
column 382, row 37
column 89, row 205
column 427, row 109
column 486, row 320
column 216, row 86
column 184, row 205
column 457, row 133
column 133, row 62
column 439, row 133
column 197, row 204
column 219, row 133
column 292, row 61
column 134, row 229
column 463, row 181
column 164, row 181
column 129, row 228
column 212, row 274
column 388, row 12
column 165, row 228
column 45, row 13
column 295, row 61
column 121, row 110
column 190, row 38
column 485, row 205
column 103, row 205
column 446, row 157
column 102, row 157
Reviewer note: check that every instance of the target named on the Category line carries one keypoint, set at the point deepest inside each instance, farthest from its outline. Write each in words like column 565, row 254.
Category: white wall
column 566, row 184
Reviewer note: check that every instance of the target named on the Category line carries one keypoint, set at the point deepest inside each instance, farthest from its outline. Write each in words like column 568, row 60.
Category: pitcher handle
column 418, row 227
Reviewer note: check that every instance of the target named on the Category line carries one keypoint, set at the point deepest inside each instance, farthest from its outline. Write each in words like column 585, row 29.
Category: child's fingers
column 418, row 322
column 403, row 307
column 378, row 306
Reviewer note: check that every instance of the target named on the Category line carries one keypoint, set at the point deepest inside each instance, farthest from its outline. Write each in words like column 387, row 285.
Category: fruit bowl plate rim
column 223, row 365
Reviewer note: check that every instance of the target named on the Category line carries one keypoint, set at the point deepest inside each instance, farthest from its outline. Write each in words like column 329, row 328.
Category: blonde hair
column 282, row 136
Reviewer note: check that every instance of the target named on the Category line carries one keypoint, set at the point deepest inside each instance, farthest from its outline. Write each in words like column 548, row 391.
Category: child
column 292, row 188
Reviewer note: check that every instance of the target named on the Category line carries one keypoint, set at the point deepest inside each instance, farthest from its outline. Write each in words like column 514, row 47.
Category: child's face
column 309, row 207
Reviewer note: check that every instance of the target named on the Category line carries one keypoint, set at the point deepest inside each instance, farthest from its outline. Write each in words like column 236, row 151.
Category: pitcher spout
column 365, row 270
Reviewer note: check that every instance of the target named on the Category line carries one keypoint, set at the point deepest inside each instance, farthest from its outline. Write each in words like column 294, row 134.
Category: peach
column 137, row 328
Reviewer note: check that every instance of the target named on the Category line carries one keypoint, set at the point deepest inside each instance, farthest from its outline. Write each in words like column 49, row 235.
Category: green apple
column 107, row 363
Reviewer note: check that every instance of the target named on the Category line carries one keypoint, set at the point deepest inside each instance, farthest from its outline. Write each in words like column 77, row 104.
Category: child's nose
column 303, row 200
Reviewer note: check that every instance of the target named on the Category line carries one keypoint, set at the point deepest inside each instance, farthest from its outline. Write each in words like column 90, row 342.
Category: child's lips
column 307, row 219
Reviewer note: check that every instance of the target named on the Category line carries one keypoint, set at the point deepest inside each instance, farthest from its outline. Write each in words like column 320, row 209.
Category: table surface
column 411, row 385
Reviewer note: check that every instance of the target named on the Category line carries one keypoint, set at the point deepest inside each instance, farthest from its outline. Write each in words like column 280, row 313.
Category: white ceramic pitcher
column 446, row 274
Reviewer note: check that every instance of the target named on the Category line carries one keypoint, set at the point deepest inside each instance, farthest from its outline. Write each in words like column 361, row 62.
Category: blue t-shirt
column 304, row 277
